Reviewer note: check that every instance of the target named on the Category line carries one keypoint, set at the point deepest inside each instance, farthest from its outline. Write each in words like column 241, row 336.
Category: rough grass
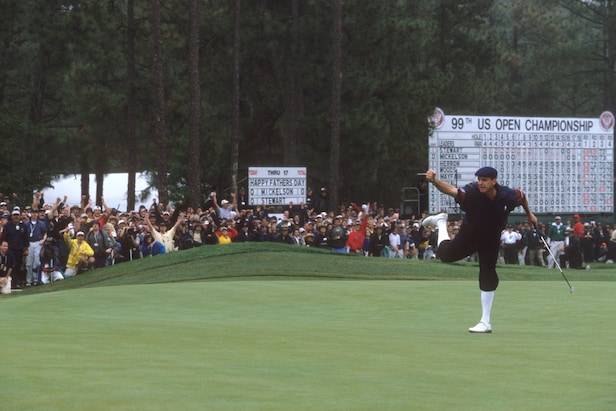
column 271, row 260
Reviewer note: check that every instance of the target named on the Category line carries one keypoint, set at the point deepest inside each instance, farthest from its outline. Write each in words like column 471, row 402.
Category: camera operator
column 129, row 240
column 49, row 269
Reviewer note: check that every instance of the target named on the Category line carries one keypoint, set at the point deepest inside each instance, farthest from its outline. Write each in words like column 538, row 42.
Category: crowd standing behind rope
column 43, row 242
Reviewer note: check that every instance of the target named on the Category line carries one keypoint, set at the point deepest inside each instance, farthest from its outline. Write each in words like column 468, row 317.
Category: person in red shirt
column 355, row 242
column 578, row 227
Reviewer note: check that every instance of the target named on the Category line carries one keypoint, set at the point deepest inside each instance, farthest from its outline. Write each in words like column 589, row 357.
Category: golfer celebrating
column 486, row 205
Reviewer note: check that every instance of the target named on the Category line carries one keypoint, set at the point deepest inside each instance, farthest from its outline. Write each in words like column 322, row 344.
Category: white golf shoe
column 434, row 219
column 481, row 328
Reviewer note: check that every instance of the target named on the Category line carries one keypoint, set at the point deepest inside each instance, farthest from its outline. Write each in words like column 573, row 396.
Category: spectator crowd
column 43, row 242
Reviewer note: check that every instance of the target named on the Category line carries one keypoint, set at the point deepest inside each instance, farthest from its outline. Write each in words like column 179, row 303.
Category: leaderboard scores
column 564, row 165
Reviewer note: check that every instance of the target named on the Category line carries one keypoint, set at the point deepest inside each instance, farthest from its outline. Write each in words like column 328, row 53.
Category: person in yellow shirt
column 224, row 238
column 80, row 253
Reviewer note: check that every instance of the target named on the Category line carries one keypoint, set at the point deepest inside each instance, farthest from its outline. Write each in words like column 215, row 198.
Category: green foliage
column 63, row 82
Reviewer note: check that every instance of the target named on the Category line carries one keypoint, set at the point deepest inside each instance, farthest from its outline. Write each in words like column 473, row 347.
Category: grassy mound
column 271, row 260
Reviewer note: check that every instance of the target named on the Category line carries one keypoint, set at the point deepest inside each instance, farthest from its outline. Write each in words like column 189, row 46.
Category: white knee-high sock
column 487, row 297
column 443, row 234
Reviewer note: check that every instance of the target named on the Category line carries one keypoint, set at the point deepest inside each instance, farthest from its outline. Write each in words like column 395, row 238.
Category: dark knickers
column 468, row 241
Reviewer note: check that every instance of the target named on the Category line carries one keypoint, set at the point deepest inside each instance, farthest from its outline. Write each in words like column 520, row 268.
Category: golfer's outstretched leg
column 468, row 241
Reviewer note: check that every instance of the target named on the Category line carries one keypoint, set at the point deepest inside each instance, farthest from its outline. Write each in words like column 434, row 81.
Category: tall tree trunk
column 159, row 92
column 100, row 184
column 235, row 122
column 293, row 93
column 194, row 150
column 609, row 57
column 334, row 158
column 131, row 125
column 36, row 105
column 84, row 171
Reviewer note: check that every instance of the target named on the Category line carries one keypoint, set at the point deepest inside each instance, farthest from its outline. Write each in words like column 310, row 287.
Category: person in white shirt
column 509, row 239
column 395, row 243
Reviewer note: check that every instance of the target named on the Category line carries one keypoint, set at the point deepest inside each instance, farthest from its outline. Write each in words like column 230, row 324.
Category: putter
column 557, row 263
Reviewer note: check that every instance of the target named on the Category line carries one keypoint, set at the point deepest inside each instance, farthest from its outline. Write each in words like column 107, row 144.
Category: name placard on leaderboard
column 564, row 165
column 276, row 186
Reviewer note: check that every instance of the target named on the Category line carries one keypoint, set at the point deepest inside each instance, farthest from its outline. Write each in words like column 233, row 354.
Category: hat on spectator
column 223, row 202
column 557, row 217
column 84, row 215
column 487, row 172
column 16, row 212
column 323, row 189
column 80, row 233
column 2, row 203
column 4, row 215
column 576, row 216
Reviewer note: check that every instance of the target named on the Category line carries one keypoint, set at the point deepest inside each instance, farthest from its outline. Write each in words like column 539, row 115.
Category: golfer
column 486, row 206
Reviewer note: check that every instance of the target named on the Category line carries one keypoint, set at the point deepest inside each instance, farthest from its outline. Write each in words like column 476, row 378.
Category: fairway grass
column 314, row 345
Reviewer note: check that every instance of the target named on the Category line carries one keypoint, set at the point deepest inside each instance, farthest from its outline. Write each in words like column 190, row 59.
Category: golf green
column 361, row 345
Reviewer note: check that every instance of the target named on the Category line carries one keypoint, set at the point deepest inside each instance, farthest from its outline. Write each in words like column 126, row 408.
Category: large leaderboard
column 276, row 186
column 564, row 165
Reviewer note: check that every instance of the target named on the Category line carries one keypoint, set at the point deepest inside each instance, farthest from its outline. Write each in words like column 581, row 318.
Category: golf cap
column 488, row 172
column 557, row 217
column 223, row 202
column 80, row 233
column 576, row 216
column 16, row 212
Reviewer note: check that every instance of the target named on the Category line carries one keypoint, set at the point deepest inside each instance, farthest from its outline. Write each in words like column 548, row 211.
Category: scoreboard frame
column 564, row 165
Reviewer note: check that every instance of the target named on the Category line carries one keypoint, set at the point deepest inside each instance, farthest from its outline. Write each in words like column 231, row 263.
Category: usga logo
column 606, row 120
column 437, row 118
